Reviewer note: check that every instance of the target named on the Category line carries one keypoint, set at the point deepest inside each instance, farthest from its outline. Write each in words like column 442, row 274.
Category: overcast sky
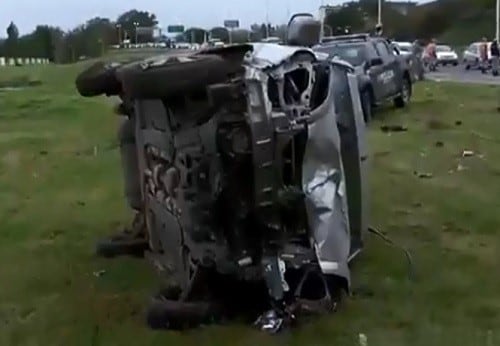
column 204, row 13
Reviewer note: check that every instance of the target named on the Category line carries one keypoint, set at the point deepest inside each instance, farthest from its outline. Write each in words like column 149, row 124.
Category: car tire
column 405, row 95
column 367, row 105
column 190, row 76
column 455, row 64
column 467, row 67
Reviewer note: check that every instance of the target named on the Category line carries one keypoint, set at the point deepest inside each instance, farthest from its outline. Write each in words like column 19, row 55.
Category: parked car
column 446, row 55
column 182, row 45
column 405, row 48
column 470, row 56
column 383, row 74
column 414, row 61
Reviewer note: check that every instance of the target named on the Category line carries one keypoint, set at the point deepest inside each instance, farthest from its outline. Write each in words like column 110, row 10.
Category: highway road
column 459, row 74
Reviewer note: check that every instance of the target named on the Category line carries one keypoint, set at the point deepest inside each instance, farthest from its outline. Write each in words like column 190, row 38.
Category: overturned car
column 253, row 167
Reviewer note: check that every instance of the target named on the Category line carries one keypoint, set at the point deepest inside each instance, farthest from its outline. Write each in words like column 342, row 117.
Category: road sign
column 232, row 23
column 175, row 28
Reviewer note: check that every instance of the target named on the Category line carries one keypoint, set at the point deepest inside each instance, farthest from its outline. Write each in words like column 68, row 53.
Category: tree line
column 93, row 38
column 432, row 20
column 90, row 39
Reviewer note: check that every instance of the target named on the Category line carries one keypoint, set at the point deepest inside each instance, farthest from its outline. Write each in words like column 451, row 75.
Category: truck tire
column 404, row 98
column 188, row 75
column 98, row 79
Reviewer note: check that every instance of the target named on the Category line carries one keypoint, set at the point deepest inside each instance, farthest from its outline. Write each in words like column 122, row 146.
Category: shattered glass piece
column 273, row 321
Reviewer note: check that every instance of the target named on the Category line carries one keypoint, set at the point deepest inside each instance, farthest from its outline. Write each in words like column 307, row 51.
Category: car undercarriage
column 253, row 173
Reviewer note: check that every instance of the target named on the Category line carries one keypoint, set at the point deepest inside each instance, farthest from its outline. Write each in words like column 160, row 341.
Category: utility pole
column 119, row 27
column 267, row 18
column 379, row 22
column 497, row 26
column 136, row 25
column 322, row 16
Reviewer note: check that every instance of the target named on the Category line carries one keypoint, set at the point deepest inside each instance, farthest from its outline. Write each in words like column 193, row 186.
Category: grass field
column 60, row 189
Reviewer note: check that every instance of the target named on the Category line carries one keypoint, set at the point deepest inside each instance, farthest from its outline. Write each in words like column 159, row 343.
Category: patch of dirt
column 18, row 135
column 20, row 82
column 481, row 246
column 12, row 159
column 34, row 103
column 435, row 124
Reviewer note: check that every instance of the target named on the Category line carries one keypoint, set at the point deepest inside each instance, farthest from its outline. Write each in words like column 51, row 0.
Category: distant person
column 495, row 55
column 483, row 55
column 416, row 48
column 431, row 54
column 417, row 51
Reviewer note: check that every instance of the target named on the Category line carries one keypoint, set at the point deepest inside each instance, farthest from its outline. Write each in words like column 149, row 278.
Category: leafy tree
column 132, row 19
column 280, row 31
column 459, row 20
column 264, row 33
column 350, row 17
column 12, row 32
column 12, row 38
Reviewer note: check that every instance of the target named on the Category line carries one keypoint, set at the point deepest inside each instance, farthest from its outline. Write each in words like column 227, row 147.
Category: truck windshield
column 355, row 54
column 443, row 49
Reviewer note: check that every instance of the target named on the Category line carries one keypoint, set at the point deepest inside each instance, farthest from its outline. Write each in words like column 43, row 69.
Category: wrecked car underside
column 253, row 171
column 253, row 165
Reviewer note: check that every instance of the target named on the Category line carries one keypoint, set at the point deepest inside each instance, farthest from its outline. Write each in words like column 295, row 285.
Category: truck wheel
column 404, row 98
column 367, row 105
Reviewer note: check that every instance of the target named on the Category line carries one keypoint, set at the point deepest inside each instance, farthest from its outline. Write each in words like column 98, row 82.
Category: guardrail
column 154, row 45
column 22, row 61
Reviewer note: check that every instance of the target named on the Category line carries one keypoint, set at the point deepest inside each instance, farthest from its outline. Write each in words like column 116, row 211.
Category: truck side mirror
column 303, row 30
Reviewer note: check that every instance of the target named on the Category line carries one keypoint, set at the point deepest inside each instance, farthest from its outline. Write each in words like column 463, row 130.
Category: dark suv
column 383, row 75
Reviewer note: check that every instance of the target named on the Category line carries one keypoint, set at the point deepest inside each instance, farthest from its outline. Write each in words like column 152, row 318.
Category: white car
column 405, row 48
column 471, row 55
column 446, row 55
column 183, row 45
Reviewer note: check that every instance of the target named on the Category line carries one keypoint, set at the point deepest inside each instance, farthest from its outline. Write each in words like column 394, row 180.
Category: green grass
column 60, row 189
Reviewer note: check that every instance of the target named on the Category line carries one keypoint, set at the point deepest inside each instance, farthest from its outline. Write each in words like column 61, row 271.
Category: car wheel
column 404, row 98
column 455, row 63
column 467, row 67
column 367, row 105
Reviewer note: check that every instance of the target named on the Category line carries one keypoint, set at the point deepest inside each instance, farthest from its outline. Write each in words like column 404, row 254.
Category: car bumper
column 448, row 61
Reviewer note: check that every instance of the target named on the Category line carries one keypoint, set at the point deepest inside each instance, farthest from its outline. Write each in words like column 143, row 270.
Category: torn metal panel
column 266, row 55
column 323, row 179
column 323, row 182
